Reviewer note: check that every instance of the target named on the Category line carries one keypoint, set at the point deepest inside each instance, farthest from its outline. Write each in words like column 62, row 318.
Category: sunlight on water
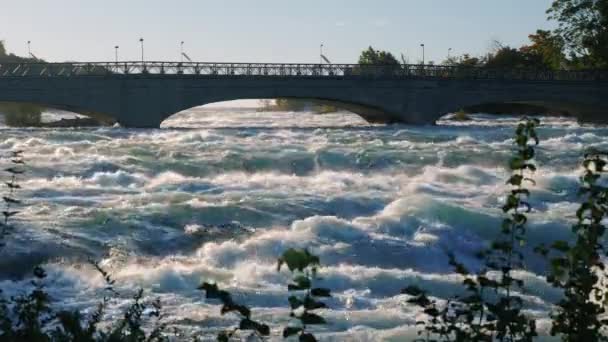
column 221, row 194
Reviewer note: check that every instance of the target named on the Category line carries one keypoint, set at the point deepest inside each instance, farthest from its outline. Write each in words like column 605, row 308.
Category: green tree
column 579, row 268
column 583, row 26
column 377, row 57
column 546, row 48
column 464, row 60
column 507, row 57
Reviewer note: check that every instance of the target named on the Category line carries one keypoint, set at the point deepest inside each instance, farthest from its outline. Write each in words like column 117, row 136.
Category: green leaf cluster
column 306, row 299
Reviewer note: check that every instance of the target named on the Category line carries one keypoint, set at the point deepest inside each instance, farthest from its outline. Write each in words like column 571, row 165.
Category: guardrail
column 72, row 69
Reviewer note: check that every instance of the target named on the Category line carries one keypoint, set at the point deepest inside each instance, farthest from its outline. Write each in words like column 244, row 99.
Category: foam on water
column 381, row 205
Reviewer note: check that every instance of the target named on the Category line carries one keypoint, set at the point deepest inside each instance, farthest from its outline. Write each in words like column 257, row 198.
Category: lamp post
column 422, row 45
column 29, row 50
column 181, row 51
column 321, row 54
column 116, row 53
column 449, row 50
column 141, row 40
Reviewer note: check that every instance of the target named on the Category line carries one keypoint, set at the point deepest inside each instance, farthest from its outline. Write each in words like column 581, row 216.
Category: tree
column 377, row 57
column 546, row 48
column 583, row 26
column 464, row 60
column 2, row 49
column 507, row 57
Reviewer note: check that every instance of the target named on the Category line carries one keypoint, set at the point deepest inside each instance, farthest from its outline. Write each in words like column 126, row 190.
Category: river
column 219, row 193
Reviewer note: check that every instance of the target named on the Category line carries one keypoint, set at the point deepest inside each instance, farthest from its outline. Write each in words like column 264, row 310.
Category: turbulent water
column 222, row 194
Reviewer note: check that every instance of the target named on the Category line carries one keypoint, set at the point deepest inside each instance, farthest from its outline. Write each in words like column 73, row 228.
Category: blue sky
column 264, row 30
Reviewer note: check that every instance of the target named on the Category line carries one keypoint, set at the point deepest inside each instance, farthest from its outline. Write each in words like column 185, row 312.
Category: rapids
column 219, row 193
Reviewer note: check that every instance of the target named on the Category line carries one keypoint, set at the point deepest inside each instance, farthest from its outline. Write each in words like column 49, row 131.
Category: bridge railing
column 71, row 69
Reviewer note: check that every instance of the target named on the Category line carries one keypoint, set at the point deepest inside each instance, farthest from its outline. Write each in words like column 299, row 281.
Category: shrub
column 21, row 115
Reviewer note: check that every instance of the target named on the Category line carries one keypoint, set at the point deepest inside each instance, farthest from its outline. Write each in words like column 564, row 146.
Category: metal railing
column 72, row 69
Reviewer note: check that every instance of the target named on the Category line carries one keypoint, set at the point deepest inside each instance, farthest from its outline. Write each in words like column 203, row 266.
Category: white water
column 382, row 205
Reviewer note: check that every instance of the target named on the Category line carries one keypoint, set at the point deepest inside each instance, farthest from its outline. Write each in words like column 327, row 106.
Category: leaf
column 297, row 259
column 301, row 283
column 223, row 336
column 9, row 214
column 248, row 324
column 311, row 318
column 321, row 292
column 312, row 304
column 14, row 171
column 560, row 245
column 412, row 290
column 307, row 337
column 290, row 331
column 230, row 306
column 12, row 185
column 11, row 200
column 213, row 292
column 294, row 302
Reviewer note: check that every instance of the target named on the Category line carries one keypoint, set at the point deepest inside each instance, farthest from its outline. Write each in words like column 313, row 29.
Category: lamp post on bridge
column 449, row 50
column 141, row 40
column 181, row 51
column 29, row 50
column 116, row 53
column 422, row 45
column 321, row 54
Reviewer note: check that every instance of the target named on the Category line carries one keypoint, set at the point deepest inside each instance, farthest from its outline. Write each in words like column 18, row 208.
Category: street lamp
column 116, row 53
column 29, row 50
column 321, row 54
column 141, row 40
column 422, row 45
column 449, row 50
column 181, row 51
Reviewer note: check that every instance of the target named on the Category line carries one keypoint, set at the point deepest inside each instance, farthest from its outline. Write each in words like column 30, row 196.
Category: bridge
column 143, row 94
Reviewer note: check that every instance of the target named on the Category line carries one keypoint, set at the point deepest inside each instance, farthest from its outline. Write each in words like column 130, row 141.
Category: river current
column 219, row 193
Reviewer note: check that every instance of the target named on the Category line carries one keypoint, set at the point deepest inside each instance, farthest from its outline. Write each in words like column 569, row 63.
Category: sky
column 286, row 31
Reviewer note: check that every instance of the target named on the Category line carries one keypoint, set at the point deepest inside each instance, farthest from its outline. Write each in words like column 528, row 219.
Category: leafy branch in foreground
column 16, row 158
column 304, row 266
column 579, row 269
column 228, row 305
column 477, row 316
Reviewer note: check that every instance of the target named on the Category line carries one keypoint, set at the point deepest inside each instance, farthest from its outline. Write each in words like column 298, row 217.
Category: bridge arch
column 368, row 113
column 37, row 108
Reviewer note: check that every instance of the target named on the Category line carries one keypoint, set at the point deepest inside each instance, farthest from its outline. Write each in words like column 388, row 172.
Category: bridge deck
column 292, row 71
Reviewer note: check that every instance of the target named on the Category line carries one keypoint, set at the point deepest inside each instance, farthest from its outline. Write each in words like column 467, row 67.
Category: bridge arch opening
column 268, row 112
column 26, row 114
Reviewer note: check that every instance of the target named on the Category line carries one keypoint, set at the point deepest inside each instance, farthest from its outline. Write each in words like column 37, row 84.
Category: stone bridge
column 143, row 94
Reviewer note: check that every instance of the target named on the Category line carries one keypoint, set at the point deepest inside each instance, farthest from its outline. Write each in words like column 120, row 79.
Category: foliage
column 377, row 57
column 465, row 60
column 579, row 269
column 259, row 330
column 31, row 317
column 547, row 49
column 21, row 114
column 475, row 317
column 283, row 105
column 461, row 115
column 324, row 109
column 508, row 57
column 583, row 26
column 295, row 105
column 16, row 159
column 304, row 267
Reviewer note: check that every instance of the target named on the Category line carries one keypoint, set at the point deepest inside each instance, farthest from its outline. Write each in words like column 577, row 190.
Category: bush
column 21, row 115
